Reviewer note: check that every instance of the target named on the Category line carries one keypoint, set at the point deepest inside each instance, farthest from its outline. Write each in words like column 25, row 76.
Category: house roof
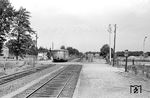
column 5, row 47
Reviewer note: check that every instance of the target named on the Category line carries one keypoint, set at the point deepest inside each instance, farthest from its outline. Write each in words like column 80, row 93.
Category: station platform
column 100, row 80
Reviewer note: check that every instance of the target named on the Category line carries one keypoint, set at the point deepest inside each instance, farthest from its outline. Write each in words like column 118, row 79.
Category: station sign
column 126, row 53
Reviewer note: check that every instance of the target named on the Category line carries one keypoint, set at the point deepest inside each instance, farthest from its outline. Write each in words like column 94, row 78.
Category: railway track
column 60, row 85
column 9, row 78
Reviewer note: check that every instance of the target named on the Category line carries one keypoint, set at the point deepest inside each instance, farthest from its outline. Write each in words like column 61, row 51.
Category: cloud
column 83, row 23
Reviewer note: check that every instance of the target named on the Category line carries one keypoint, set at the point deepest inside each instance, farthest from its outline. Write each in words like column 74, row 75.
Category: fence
column 138, row 66
column 13, row 63
column 30, row 60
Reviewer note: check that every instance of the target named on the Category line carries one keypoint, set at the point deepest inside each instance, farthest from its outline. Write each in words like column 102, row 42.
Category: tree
column 120, row 53
column 27, row 47
column 148, row 53
column 72, row 51
column 32, row 49
column 62, row 47
column 80, row 54
column 6, row 18
column 21, row 32
column 105, row 50
column 42, row 49
column 49, row 54
column 11, row 44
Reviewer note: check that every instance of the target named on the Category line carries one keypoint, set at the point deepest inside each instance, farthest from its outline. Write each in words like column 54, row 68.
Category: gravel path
column 99, row 80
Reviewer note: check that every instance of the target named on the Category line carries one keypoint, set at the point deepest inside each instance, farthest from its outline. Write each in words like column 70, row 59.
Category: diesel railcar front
column 60, row 55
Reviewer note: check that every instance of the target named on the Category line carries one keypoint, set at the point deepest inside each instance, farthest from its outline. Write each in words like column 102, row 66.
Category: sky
column 83, row 24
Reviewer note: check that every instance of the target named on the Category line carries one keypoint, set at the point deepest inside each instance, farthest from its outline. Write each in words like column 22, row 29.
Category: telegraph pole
column 36, row 40
column 126, row 64
column 114, row 44
column 109, row 30
column 144, row 45
column 52, row 46
column 36, row 45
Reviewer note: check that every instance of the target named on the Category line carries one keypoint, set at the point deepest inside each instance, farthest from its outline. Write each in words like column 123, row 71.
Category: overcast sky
column 83, row 24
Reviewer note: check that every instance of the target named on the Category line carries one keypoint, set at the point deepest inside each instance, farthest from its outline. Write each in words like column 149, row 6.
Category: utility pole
column 52, row 45
column 126, row 63
column 110, row 31
column 114, row 44
column 36, row 46
column 36, row 40
column 144, row 45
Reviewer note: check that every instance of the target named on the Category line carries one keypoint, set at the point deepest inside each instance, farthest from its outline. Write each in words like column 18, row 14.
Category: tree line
column 130, row 53
column 15, row 27
column 104, row 51
column 72, row 51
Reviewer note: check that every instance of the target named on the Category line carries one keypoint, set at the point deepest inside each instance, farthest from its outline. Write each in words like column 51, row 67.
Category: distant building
column 42, row 56
column 5, row 52
column 95, row 54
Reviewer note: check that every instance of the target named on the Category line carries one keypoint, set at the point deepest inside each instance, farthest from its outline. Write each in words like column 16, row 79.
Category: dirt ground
column 17, row 66
column 100, row 80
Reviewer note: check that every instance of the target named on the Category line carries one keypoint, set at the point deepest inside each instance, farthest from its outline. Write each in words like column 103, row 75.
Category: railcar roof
column 60, row 50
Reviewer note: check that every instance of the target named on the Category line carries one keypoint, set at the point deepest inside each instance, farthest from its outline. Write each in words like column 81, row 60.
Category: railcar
column 60, row 55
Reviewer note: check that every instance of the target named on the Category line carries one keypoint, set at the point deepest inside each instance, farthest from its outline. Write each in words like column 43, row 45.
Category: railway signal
column 126, row 55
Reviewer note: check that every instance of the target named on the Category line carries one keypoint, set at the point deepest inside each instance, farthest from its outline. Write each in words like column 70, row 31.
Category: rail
column 9, row 78
column 56, row 83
